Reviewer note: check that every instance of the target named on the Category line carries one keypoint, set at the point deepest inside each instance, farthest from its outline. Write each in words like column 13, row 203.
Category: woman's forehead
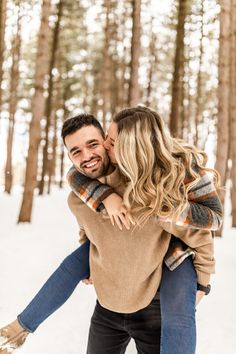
column 112, row 131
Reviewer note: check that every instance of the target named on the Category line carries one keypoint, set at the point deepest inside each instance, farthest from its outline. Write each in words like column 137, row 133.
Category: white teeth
column 91, row 164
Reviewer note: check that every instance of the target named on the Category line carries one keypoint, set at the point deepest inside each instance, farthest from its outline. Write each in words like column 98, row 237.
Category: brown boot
column 12, row 337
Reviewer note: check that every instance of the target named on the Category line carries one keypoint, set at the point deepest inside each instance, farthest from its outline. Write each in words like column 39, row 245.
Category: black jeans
column 110, row 332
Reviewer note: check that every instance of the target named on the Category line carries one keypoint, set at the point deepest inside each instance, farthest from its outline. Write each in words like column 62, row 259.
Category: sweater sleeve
column 203, row 209
column 91, row 191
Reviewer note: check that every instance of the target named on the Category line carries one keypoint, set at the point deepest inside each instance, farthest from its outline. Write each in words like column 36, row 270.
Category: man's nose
column 86, row 155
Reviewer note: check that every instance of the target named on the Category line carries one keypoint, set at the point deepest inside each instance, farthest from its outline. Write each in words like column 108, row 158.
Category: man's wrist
column 205, row 289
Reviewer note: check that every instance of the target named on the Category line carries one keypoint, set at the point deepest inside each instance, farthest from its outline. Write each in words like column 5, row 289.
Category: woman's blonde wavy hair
column 155, row 165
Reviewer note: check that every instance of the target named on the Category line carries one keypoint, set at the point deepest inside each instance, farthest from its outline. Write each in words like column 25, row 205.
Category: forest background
column 62, row 57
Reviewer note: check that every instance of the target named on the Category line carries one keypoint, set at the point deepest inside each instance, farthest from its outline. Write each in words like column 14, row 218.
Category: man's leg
column 57, row 289
column 178, row 293
column 107, row 333
column 144, row 326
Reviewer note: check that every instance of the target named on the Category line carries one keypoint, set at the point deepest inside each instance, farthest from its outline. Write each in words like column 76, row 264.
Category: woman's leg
column 178, row 294
column 57, row 288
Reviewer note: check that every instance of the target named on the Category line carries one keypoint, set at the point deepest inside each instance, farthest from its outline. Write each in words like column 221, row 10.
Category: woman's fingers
column 118, row 222
column 130, row 218
column 123, row 218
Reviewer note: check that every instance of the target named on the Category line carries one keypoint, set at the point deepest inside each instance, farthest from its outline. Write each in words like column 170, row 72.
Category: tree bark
column 38, row 108
column 106, row 69
column 223, row 94
column 152, row 65
column 62, row 155
column 233, row 110
column 16, row 47
column 3, row 6
column 134, row 92
column 178, row 69
column 198, row 112
column 48, row 108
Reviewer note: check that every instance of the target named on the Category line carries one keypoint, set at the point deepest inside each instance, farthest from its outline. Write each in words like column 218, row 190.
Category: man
column 125, row 266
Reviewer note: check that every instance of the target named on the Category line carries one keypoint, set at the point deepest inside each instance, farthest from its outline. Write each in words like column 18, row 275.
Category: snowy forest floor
column 30, row 252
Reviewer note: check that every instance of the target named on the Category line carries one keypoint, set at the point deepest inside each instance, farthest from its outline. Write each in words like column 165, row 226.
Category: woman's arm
column 98, row 196
column 202, row 211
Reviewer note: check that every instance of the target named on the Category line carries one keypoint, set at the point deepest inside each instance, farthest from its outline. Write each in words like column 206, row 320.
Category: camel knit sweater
column 126, row 265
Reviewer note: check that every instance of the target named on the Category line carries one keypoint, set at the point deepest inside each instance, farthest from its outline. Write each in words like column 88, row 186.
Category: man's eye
column 94, row 145
column 76, row 153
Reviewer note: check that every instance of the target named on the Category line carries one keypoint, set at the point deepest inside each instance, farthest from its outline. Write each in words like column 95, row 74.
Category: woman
column 157, row 186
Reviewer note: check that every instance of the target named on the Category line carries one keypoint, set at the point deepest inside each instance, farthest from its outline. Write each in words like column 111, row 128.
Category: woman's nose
column 106, row 144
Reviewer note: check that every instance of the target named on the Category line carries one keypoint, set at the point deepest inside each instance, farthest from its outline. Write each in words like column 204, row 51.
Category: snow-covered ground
column 29, row 253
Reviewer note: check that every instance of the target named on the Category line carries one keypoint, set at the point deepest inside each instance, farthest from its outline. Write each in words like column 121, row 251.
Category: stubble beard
column 102, row 171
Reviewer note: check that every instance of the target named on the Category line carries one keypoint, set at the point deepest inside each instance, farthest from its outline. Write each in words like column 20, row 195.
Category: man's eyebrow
column 73, row 149
column 92, row 141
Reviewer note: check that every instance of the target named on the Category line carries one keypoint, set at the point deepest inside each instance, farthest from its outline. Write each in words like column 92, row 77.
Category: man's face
column 86, row 151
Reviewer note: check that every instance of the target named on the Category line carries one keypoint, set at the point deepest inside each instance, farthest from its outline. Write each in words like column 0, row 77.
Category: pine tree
column 178, row 69
column 133, row 97
column 222, row 152
column 16, row 47
column 3, row 5
column 38, row 107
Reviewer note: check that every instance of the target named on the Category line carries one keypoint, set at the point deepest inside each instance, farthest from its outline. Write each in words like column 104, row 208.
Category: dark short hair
column 71, row 125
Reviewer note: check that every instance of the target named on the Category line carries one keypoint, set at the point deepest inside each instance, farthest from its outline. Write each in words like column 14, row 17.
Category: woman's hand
column 199, row 296
column 88, row 281
column 117, row 211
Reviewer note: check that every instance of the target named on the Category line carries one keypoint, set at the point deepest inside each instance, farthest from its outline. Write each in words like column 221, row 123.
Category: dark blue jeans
column 57, row 289
column 177, row 294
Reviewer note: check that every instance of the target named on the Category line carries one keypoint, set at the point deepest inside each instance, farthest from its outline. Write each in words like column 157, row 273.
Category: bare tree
column 178, row 69
column 38, row 108
column 233, row 109
column 16, row 46
column 223, row 93
column 153, row 59
column 198, row 111
column 106, row 67
column 134, row 92
column 3, row 5
column 48, row 107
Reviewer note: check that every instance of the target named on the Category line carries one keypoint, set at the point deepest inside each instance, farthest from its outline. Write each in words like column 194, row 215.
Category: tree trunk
column 3, row 6
column 38, row 108
column 152, row 66
column 106, row 69
column 198, row 113
column 178, row 70
column 48, row 108
column 233, row 110
column 133, row 95
column 53, row 156
column 16, row 46
column 223, row 94
column 62, row 155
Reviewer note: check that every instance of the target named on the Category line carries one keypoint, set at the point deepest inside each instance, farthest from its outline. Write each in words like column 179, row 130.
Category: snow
column 30, row 252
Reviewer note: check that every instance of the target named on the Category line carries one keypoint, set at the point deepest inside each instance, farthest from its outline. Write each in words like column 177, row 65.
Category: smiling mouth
column 91, row 164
